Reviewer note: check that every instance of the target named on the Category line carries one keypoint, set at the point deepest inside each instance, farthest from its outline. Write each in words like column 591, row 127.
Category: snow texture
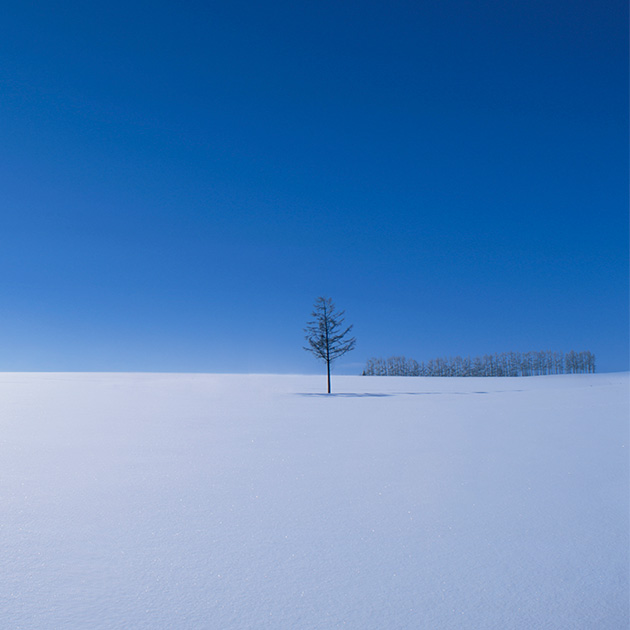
column 172, row 501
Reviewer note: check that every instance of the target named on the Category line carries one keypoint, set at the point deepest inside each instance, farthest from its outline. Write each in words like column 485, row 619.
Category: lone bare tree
column 326, row 336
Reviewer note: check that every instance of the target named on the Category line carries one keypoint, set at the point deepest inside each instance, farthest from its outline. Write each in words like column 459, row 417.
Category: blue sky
column 181, row 181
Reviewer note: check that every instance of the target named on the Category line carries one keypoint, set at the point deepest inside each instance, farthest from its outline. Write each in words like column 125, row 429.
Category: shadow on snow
column 372, row 395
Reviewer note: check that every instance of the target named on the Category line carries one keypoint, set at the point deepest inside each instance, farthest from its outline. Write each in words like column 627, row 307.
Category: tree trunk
column 328, row 370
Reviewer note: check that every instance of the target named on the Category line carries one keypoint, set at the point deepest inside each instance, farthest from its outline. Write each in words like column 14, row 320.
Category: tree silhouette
column 326, row 336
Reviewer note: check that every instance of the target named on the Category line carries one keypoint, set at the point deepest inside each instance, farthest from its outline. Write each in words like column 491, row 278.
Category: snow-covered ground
column 171, row 501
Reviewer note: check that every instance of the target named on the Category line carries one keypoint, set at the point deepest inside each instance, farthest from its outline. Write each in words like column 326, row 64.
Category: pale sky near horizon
column 181, row 180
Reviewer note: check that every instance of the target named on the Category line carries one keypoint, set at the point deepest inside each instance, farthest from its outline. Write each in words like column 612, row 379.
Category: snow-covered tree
column 539, row 363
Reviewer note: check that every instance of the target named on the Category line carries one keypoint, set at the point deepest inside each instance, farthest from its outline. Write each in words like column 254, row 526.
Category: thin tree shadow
column 343, row 395
column 372, row 395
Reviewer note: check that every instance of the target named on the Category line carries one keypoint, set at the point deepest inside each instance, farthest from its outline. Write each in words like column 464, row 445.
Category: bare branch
column 327, row 340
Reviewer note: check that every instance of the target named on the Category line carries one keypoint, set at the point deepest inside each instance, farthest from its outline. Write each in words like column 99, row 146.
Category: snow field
column 174, row 501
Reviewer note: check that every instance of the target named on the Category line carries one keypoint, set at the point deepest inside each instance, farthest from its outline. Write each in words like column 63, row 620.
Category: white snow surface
column 192, row 501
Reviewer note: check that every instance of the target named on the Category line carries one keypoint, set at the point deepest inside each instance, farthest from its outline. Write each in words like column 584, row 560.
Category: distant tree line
column 505, row 364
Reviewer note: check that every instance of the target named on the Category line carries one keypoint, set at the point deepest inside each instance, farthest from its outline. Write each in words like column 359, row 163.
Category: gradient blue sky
column 181, row 180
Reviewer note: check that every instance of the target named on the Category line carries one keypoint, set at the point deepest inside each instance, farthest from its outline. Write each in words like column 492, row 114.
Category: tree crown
column 326, row 336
